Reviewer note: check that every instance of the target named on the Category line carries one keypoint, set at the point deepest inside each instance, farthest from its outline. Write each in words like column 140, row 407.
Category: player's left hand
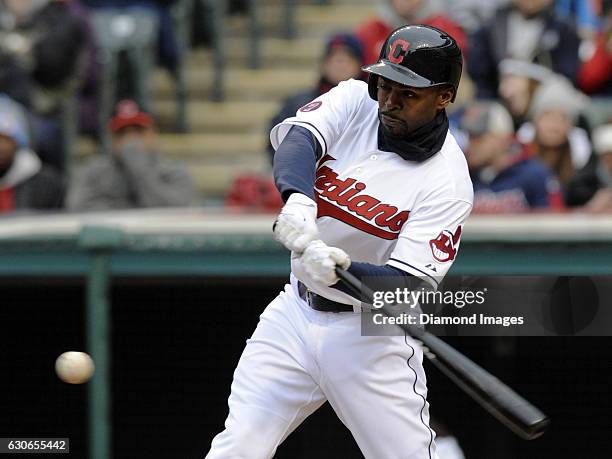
column 320, row 261
column 296, row 225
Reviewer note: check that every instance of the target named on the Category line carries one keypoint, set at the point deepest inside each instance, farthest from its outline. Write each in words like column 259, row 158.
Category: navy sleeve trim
column 415, row 268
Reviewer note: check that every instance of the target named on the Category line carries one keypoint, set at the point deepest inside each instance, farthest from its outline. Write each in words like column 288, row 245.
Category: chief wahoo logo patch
column 444, row 247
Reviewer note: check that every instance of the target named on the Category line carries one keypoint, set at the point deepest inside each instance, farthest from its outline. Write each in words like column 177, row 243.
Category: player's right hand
column 320, row 262
column 296, row 224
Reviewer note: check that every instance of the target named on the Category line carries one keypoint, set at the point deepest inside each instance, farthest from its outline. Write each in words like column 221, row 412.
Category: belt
column 320, row 303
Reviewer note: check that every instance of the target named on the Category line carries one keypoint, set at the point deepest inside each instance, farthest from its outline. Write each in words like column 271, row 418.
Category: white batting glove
column 296, row 224
column 320, row 261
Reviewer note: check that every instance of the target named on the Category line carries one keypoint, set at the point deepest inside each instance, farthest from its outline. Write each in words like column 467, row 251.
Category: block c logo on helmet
column 398, row 50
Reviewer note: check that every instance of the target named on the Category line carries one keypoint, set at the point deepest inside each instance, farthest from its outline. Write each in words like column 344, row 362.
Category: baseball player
column 373, row 182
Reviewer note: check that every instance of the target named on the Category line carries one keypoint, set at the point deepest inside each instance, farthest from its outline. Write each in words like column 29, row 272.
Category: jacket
column 133, row 178
column 557, row 50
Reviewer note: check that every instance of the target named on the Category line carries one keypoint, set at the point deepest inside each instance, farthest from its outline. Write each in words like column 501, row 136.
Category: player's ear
column 445, row 96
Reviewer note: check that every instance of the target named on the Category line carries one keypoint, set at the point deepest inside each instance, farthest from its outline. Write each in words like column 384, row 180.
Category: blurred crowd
column 55, row 60
column 534, row 112
column 533, row 115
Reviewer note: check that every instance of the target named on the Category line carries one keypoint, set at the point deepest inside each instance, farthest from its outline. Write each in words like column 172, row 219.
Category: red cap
column 127, row 113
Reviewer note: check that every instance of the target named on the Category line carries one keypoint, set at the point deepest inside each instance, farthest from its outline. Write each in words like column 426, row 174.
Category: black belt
column 320, row 303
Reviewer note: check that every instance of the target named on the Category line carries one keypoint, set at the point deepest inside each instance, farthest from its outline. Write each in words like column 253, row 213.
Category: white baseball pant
column 298, row 358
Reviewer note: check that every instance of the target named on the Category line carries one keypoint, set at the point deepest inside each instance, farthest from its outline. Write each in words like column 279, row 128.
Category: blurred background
column 136, row 202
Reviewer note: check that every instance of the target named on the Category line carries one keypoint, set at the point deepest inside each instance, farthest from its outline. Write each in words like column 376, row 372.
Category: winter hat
column 347, row 42
column 558, row 94
column 482, row 117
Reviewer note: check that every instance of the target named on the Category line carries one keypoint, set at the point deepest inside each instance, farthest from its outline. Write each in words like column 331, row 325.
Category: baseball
column 74, row 367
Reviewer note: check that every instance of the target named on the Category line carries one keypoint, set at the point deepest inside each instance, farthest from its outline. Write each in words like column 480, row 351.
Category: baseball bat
column 512, row 410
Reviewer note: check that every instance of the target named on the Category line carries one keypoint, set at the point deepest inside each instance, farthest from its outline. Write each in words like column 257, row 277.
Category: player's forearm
column 379, row 274
column 294, row 163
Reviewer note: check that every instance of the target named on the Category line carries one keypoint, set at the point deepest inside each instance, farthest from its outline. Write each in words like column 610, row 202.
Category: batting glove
column 320, row 261
column 296, row 224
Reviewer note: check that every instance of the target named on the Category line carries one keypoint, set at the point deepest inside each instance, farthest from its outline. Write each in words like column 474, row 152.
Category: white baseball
column 74, row 367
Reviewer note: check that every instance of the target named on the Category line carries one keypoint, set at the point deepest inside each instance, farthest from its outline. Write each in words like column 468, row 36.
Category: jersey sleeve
column 327, row 116
column 429, row 241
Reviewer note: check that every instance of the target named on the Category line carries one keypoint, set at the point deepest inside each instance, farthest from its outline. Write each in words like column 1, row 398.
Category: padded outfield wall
column 185, row 289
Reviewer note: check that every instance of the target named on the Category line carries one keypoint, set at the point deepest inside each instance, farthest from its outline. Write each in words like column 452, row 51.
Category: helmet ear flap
column 373, row 86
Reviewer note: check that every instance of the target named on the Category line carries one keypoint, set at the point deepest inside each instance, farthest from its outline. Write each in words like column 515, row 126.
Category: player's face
column 402, row 109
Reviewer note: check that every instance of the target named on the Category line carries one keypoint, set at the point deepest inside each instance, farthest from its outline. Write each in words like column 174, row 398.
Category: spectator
column 396, row 13
column 133, row 174
column 561, row 144
column 25, row 183
column 471, row 14
column 527, row 30
column 592, row 186
column 595, row 75
column 505, row 177
column 41, row 42
column 168, row 50
column 44, row 37
column 517, row 84
column 342, row 59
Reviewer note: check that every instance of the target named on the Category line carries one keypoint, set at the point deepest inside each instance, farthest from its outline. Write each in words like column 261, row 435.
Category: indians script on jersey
column 347, row 201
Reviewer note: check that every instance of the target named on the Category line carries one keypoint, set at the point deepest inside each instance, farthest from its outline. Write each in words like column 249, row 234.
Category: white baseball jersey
column 381, row 209
column 373, row 204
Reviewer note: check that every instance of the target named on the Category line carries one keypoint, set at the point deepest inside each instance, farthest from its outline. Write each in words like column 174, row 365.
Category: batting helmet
column 419, row 56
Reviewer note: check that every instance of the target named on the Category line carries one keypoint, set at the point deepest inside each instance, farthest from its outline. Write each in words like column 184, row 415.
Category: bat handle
column 494, row 396
column 352, row 282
